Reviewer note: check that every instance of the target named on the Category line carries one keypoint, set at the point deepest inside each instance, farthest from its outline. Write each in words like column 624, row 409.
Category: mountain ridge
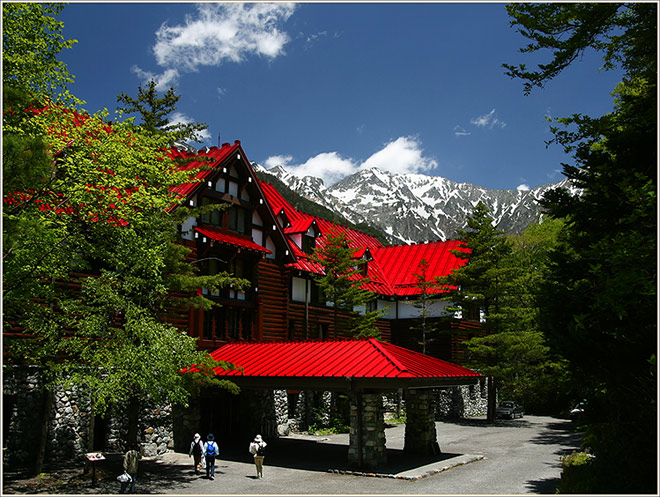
column 414, row 208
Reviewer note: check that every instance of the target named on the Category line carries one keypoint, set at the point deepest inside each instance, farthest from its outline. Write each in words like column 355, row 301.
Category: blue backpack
column 210, row 448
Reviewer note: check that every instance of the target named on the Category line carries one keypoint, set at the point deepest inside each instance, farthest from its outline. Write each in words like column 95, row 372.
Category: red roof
column 230, row 239
column 339, row 358
column 400, row 263
column 391, row 269
column 201, row 169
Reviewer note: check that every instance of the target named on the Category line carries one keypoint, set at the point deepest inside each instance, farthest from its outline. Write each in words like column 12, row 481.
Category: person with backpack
column 130, row 465
column 196, row 451
column 258, row 450
column 211, row 451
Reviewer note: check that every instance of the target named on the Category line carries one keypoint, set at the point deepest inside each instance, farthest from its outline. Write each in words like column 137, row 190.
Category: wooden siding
column 272, row 302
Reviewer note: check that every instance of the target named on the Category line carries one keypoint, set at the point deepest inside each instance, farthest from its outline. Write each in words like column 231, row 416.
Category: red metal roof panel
column 360, row 358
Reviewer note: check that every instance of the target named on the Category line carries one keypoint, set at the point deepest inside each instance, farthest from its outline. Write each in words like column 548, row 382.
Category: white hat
column 197, row 436
column 257, row 438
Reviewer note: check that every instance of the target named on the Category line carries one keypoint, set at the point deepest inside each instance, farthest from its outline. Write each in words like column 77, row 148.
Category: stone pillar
column 367, row 436
column 420, row 436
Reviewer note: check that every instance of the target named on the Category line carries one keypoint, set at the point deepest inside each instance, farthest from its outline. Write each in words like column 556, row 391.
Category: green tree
column 476, row 290
column 600, row 305
column 154, row 112
column 428, row 295
column 90, row 250
column 31, row 40
column 527, row 370
column 342, row 283
column 477, row 286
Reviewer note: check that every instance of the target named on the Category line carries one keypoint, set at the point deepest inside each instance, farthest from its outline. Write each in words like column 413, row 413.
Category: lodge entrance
column 223, row 414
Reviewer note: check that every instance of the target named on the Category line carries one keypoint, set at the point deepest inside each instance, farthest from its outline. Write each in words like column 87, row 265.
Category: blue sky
column 327, row 89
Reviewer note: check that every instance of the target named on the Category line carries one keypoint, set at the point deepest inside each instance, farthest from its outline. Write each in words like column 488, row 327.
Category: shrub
column 577, row 476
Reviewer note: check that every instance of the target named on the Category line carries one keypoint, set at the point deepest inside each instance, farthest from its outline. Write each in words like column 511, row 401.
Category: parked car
column 577, row 411
column 509, row 410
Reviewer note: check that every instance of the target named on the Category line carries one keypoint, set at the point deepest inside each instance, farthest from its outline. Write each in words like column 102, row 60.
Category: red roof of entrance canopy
column 337, row 358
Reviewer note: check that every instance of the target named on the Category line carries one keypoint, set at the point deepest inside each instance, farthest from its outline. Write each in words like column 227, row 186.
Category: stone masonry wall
column 367, row 446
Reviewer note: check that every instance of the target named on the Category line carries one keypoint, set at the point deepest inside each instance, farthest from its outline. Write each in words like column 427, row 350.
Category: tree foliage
column 154, row 112
column 31, row 40
column 429, row 294
column 342, row 283
column 90, row 253
column 600, row 302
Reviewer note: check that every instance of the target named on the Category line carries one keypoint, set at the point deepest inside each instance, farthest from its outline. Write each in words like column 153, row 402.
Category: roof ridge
column 378, row 345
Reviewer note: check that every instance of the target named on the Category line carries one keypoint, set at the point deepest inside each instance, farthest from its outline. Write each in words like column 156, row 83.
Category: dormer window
column 308, row 244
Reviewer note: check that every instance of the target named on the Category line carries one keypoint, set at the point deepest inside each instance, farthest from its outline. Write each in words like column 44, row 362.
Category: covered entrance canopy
column 338, row 364
column 363, row 367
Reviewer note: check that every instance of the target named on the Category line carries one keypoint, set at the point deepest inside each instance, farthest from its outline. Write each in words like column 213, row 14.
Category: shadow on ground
column 157, row 476
column 153, row 477
column 312, row 455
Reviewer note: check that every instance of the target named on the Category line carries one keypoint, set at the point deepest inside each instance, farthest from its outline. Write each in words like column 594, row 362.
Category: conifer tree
column 599, row 306
column 428, row 295
column 154, row 112
column 342, row 284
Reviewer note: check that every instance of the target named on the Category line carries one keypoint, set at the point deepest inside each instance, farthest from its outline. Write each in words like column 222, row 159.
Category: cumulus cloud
column 403, row 155
column 523, row 188
column 226, row 32
column 400, row 156
column 489, row 120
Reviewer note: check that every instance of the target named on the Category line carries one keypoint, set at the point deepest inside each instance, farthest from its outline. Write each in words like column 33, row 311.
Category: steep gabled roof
column 203, row 168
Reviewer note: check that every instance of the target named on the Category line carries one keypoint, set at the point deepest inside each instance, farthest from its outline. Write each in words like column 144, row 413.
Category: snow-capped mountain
column 412, row 208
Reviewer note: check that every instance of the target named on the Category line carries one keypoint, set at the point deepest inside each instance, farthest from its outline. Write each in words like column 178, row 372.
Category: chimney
column 219, row 142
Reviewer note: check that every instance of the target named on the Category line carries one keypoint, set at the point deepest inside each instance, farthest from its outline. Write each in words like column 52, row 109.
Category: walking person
column 258, row 450
column 196, row 450
column 131, row 459
column 211, row 451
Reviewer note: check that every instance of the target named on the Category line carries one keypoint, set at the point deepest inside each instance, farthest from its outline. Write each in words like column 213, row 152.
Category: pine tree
column 428, row 295
column 154, row 111
column 342, row 283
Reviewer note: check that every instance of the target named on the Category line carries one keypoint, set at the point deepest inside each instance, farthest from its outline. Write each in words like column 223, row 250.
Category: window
column 213, row 325
column 214, row 217
column 318, row 296
column 308, row 244
column 237, row 267
column 238, row 220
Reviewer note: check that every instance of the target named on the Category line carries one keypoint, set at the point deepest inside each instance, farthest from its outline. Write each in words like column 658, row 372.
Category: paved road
column 520, row 456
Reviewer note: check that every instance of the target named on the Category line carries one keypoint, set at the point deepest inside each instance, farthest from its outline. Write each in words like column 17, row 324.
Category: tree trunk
column 43, row 432
column 492, row 397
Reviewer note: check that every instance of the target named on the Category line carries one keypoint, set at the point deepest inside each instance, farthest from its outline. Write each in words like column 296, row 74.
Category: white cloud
column 460, row 131
column 277, row 160
column 180, row 118
column 164, row 81
column 226, row 32
column 489, row 120
column 401, row 156
column 523, row 188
